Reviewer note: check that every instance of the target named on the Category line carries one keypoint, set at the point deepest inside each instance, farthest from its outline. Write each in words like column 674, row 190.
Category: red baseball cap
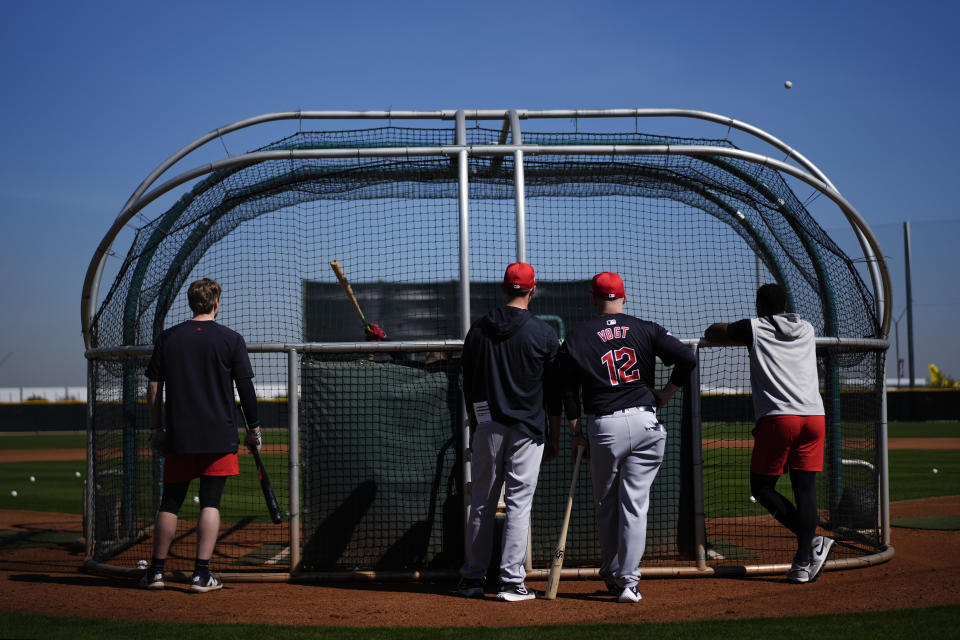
column 519, row 276
column 608, row 286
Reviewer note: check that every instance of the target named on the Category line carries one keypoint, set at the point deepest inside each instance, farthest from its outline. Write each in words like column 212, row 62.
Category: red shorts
column 183, row 467
column 787, row 442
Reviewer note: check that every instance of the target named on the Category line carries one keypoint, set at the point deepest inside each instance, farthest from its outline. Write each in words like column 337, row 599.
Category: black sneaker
column 199, row 585
column 470, row 587
column 515, row 592
column 152, row 579
column 610, row 583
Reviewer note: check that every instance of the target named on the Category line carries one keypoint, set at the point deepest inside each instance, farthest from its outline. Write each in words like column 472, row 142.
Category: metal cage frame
column 804, row 170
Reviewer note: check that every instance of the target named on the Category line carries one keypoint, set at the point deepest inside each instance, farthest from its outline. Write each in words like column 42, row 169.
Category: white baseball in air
column 752, row 499
column 934, row 470
column 787, row 84
column 14, row 493
column 77, row 473
column 141, row 564
column 33, row 479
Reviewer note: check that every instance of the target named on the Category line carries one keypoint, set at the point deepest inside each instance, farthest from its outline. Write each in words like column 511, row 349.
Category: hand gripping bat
column 556, row 565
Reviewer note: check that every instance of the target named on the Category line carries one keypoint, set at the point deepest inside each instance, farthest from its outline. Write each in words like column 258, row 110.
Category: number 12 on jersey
column 626, row 372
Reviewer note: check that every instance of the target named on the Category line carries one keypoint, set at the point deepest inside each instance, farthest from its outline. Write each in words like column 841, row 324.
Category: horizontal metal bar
column 303, row 347
column 432, row 345
column 830, row 343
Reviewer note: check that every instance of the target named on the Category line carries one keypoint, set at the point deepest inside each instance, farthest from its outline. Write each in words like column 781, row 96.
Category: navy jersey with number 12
column 612, row 358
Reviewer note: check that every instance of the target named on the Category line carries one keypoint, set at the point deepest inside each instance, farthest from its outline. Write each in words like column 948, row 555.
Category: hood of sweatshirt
column 503, row 322
column 789, row 324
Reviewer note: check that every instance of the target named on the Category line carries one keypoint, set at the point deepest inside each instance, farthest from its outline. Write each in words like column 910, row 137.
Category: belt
column 647, row 408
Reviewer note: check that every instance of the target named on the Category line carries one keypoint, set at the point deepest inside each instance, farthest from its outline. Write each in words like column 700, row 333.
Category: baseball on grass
column 33, row 478
column 77, row 473
column 14, row 493
column 196, row 498
column 787, row 84
column 752, row 499
column 934, row 470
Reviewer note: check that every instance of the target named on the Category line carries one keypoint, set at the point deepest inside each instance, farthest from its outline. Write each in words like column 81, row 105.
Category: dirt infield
column 46, row 579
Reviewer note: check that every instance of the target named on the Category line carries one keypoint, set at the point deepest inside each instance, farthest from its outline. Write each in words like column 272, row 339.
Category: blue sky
column 96, row 94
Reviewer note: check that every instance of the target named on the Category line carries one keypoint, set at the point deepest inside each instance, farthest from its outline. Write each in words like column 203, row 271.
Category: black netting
column 692, row 238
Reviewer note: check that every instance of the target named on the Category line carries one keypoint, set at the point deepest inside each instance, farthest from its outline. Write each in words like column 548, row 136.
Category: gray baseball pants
column 626, row 449
column 501, row 457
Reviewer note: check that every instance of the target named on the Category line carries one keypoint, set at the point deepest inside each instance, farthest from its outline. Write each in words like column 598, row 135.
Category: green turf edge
column 936, row 622
column 933, row 523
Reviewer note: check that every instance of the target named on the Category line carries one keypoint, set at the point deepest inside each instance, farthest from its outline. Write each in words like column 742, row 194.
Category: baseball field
column 45, row 594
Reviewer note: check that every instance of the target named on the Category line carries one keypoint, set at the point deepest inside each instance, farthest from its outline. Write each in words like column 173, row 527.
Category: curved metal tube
column 877, row 265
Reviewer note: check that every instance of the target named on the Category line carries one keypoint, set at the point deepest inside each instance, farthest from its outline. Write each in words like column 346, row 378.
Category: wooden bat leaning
column 341, row 276
column 553, row 578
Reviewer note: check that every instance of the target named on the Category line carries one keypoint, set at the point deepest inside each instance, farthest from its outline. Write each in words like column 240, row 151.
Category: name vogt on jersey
column 612, row 332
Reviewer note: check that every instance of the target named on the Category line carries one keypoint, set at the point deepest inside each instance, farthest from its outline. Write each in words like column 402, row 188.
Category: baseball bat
column 338, row 271
column 265, row 485
column 553, row 578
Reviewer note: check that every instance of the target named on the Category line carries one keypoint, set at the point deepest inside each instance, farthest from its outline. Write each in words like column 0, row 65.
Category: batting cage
column 365, row 442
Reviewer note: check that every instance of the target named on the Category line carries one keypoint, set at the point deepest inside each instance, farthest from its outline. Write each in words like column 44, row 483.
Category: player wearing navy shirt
column 509, row 359
column 198, row 361
column 611, row 360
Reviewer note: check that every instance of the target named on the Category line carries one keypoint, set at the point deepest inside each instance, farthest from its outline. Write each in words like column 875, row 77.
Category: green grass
column 78, row 439
column 936, row 622
column 911, row 474
column 911, row 477
column 58, row 440
column 57, row 487
column 923, row 430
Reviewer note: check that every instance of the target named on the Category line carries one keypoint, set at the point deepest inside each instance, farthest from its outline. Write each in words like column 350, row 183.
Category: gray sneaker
column 799, row 573
column 819, row 551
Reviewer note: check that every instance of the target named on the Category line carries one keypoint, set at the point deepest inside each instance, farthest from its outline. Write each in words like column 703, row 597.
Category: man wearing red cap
column 610, row 360
column 507, row 357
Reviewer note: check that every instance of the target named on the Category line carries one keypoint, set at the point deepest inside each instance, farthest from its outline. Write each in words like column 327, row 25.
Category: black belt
column 647, row 408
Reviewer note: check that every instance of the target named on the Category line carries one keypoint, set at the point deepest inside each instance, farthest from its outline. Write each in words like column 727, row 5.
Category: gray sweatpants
column 626, row 449
column 501, row 457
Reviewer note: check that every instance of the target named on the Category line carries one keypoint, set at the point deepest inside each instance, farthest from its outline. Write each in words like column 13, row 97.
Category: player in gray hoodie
column 790, row 427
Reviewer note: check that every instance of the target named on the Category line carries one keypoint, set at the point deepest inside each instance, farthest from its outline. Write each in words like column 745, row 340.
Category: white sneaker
column 819, row 551
column 630, row 594
column 515, row 592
